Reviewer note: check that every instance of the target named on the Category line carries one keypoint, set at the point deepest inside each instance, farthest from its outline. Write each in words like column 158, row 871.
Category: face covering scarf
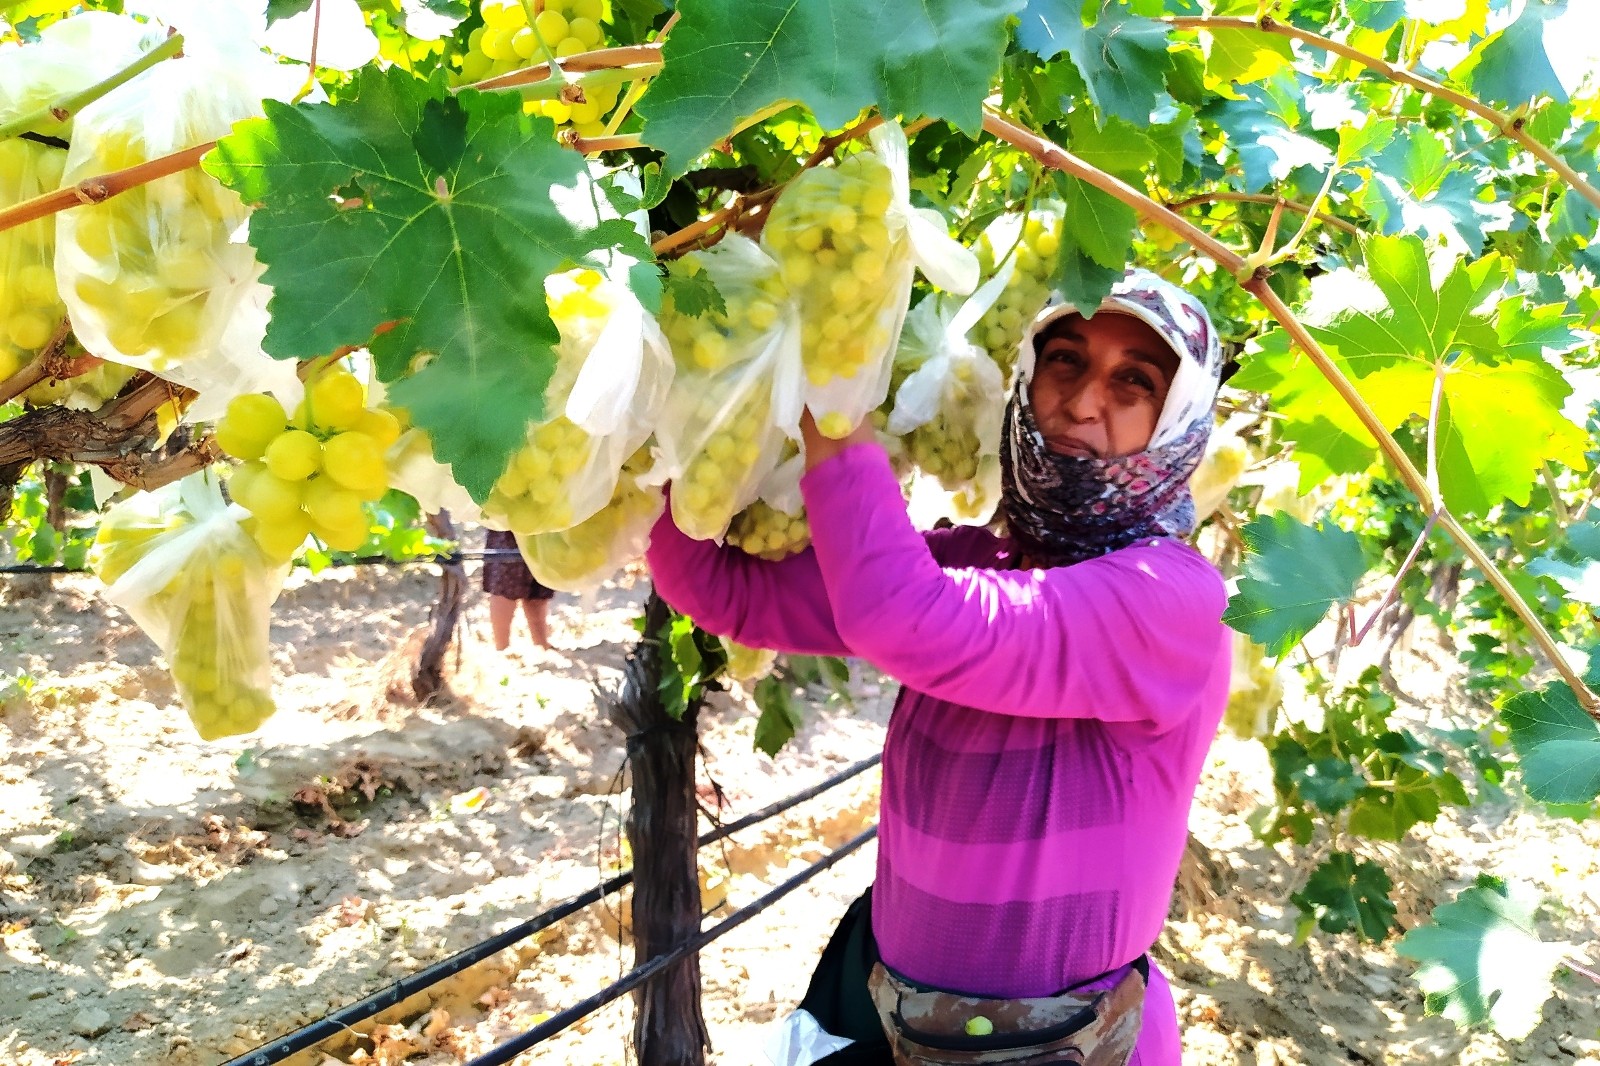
column 1063, row 509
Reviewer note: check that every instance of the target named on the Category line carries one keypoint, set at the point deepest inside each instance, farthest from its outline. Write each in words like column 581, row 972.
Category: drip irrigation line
column 393, row 994
column 442, row 559
column 504, row 1053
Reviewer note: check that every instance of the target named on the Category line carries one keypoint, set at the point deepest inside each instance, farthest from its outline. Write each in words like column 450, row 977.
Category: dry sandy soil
column 166, row 900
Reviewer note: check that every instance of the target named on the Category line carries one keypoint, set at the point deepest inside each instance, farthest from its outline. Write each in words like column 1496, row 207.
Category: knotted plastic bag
column 737, row 394
column 180, row 563
column 581, row 558
column 70, row 55
column 848, row 241
column 950, row 406
column 612, row 373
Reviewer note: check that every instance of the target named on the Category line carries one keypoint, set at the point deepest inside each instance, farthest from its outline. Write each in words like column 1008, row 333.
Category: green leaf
column 1482, row 960
column 1292, row 574
column 1329, row 438
column 1414, row 798
column 1512, row 67
column 1082, row 282
column 656, row 185
column 1329, row 783
column 1557, row 743
column 780, row 717
column 1345, row 895
column 1378, row 15
column 282, row 9
column 1268, row 146
column 438, row 216
column 695, row 294
column 728, row 61
column 1123, row 58
column 1119, row 147
column 1243, row 56
column 1099, row 223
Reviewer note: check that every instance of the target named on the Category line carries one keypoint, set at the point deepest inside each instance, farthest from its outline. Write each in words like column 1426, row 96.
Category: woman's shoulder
column 1168, row 569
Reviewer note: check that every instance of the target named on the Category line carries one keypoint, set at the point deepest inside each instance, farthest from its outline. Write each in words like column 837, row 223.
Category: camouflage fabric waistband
column 931, row 1028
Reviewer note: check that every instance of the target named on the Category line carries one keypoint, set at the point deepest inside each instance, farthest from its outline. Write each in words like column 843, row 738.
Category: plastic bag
column 774, row 526
column 580, row 558
column 737, row 394
column 612, row 374
column 848, row 239
column 70, row 55
column 951, row 404
column 153, row 277
column 180, row 563
column 1023, row 251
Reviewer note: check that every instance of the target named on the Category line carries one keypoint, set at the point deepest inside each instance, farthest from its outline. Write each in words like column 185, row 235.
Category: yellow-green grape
column 381, row 425
column 266, row 495
column 355, row 462
column 1256, row 690
column 765, row 531
column 30, row 309
column 706, row 496
column 1000, row 330
column 336, row 513
column 1219, row 471
column 87, row 391
column 280, row 539
column 252, row 421
column 532, row 495
column 830, row 236
column 155, row 253
column 294, row 455
column 335, row 400
column 713, row 340
column 122, row 541
column 573, row 558
column 219, row 646
column 561, row 28
column 746, row 663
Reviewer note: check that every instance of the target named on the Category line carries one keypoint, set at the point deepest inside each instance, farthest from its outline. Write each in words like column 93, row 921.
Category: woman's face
column 1099, row 384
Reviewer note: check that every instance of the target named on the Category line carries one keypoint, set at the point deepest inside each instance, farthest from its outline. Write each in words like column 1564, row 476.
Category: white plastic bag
column 800, row 1040
column 152, row 278
column 737, row 394
column 580, row 558
column 1022, row 251
column 70, row 55
column 848, row 240
column 950, row 406
column 612, row 374
column 181, row 564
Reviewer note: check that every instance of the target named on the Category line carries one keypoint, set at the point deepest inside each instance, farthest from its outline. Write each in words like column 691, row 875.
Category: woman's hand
column 820, row 449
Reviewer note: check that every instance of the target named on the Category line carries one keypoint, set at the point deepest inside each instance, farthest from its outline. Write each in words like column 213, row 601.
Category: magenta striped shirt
column 1046, row 745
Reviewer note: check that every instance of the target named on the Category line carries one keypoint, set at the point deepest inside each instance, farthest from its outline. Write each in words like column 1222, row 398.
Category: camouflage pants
column 945, row 1029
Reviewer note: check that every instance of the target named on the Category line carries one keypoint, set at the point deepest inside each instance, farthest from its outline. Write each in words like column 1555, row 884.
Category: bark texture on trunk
column 669, row 1029
column 427, row 679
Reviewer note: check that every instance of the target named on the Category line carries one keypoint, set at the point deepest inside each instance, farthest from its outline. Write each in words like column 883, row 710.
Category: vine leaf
column 1262, row 133
column 695, row 295
column 1574, row 565
column 418, row 226
column 780, row 717
column 1557, row 744
column 1344, row 895
column 729, row 60
column 1082, row 282
column 1123, row 58
column 1292, row 574
column 1240, row 57
column 1098, row 223
column 1512, row 67
column 282, row 9
column 1481, row 960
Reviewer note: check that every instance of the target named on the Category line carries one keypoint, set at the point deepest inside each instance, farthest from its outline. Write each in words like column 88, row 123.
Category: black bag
column 838, row 996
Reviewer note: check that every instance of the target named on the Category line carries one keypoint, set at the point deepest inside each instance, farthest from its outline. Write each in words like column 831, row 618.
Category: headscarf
column 1062, row 509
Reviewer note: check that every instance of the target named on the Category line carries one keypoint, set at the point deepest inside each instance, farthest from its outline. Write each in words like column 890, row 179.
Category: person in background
column 1061, row 686
column 508, row 582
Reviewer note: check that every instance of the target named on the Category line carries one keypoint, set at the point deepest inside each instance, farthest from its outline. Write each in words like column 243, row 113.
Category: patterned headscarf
column 1062, row 509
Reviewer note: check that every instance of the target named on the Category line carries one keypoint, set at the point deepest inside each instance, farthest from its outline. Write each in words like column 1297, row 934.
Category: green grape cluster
column 706, row 495
column 578, row 558
column 1256, row 690
column 507, row 41
column 150, row 258
column 830, row 236
column 311, row 473
column 534, row 494
column 30, row 309
column 1000, row 330
column 763, row 530
column 87, row 391
column 217, row 649
column 715, row 339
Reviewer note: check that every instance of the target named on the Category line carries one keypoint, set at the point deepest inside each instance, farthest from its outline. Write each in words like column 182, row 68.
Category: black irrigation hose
column 344, row 1018
column 504, row 1053
column 443, row 559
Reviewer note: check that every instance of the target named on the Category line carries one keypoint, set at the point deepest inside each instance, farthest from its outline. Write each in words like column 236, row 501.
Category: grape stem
column 51, row 362
column 1513, row 125
column 1268, row 200
column 311, row 62
column 65, row 108
column 1052, row 155
column 640, row 58
column 102, row 187
column 637, row 89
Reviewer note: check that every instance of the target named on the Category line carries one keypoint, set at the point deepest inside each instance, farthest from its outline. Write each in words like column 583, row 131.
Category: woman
column 1061, row 684
column 509, row 582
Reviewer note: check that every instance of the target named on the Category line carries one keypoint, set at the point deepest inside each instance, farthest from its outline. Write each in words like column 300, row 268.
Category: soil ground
column 166, row 900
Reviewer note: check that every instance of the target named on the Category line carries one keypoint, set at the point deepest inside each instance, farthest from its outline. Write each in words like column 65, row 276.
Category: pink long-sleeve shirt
column 1046, row 745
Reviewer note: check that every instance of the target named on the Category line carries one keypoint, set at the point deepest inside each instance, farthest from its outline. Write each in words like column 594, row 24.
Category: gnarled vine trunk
column 669, row 1029
column 427, row 679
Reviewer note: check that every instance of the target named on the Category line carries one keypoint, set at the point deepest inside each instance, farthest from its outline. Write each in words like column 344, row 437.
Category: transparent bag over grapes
column 152, row 278
column 950, row 406
column 70, row 55
column 179, row 561
column 737, row 395
column 848, row 240
column 774, row 526
column 580, row 558
column 1022, row 251
column 613, row 372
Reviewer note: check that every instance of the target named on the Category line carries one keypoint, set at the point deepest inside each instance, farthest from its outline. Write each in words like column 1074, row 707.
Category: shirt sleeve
column 1132, row 636
column 779, row 605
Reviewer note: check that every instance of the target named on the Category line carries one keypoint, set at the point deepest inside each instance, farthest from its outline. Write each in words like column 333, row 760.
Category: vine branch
column 102, row 187
column 1513, row 126
column 50, row 362
column 1268, row 200
column 70, row 105
column 1052, row 155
